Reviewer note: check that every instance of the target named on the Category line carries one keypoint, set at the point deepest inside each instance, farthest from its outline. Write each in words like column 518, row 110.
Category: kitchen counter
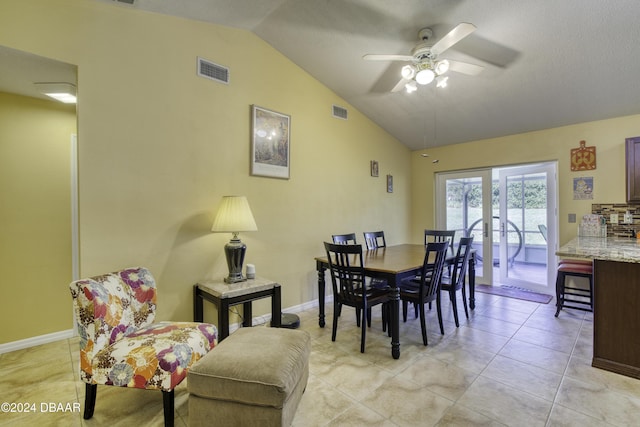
column 621, row 249
column 616, row 300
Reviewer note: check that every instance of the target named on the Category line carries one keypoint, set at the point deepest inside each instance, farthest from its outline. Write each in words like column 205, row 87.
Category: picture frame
column 374, row 168
column 389, row 183
column 270, row 143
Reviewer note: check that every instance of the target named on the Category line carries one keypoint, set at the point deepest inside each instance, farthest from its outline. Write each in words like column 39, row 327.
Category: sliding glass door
column 526, row 224
column 463, row 201
column 511, row 213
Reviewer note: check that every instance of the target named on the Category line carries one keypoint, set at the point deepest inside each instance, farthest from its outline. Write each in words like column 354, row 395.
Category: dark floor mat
column 513, row 292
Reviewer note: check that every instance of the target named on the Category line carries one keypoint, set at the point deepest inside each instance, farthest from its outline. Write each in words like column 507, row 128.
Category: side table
column 225, row 295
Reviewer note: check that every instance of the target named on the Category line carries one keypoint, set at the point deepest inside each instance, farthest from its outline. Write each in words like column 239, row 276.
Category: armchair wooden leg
column 168, row 403
column 90, row 391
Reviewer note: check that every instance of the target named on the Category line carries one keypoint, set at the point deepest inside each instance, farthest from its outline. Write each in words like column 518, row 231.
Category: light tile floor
column 511, row 363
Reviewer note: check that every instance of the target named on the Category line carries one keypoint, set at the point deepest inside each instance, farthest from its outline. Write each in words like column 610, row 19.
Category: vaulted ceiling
column 547, row 63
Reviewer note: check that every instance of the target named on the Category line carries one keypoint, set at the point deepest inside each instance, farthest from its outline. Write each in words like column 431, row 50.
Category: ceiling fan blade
column 461, row 31
column 465, row 67
column 375, row 57
column 400, row 85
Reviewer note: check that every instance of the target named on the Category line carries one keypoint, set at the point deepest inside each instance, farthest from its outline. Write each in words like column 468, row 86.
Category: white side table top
column 220, row 289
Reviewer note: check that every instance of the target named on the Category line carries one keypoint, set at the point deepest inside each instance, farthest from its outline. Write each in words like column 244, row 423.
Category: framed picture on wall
column 389, row 183
column 374, row 168
column 270, row 143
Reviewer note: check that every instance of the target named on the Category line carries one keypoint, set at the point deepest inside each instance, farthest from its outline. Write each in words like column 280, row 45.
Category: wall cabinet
column 632, row 154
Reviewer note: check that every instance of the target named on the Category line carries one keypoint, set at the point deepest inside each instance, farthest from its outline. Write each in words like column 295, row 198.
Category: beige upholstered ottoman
column 255, row 377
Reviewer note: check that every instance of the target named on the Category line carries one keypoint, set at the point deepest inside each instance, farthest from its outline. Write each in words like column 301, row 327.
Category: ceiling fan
column 426, row 65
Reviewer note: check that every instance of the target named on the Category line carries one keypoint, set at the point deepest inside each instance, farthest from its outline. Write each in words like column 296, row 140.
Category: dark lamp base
column 234, row 251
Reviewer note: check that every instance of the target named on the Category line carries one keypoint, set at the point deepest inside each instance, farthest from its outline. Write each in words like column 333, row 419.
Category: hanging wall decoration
column 583, row 158
column 583, row 188
column 374, row 168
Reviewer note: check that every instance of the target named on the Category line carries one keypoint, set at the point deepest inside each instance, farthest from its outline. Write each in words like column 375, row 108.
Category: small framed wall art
column 389, row 183
column 374, row 168
column 270, row 143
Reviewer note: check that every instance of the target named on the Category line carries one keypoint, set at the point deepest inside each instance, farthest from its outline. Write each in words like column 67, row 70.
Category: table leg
column 276, row 308
column 472, row 281
column 321, row 288
column 223, row 320
column 395, row 322
column 198, row 314
column 247, row 314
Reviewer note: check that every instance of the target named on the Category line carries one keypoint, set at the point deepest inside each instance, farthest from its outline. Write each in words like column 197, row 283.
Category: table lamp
column 233, row 216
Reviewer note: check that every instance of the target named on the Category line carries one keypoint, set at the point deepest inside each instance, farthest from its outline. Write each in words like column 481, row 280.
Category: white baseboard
column 70, row 333
column 34, row 341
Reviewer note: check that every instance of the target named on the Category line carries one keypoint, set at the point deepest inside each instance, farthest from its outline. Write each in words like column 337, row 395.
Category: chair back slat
column 436, row 236
column 461, row 262
column 344, row 239
column 374, row 240
column 432, row 267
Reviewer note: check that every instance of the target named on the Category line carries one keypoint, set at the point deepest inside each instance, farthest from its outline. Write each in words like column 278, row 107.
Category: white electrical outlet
column 613, row 218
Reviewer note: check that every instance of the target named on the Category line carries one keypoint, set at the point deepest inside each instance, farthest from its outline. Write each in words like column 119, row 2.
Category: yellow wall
column 546, row 145
column 159, row 147
column 35, row 216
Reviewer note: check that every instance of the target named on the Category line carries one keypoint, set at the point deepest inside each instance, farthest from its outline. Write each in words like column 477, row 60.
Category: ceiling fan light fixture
column 411, row 87
column 442, row 67
column 408, row 72
column 424, row 77
column 441, row 81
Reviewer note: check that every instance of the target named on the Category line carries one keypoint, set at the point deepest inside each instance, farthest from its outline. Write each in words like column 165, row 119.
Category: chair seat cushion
column 157, row 356
column 253, row 366
column 575, row 268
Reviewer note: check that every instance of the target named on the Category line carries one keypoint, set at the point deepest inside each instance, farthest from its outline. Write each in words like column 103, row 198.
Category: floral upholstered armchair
column 121, row 346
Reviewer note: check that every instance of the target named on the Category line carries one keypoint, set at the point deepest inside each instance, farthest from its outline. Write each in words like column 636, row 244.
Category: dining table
column 393, row 264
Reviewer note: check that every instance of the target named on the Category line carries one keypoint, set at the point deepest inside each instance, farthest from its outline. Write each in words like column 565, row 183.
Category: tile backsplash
column 618, row 209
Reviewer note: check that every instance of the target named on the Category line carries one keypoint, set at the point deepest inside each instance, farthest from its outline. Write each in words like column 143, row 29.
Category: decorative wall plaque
column 583, row 158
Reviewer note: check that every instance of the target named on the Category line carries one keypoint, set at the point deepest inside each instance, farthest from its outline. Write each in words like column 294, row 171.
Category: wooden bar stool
column 574, row 296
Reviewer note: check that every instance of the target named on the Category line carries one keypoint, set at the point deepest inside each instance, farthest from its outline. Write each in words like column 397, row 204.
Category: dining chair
column 346, row 267
column 426, row 289
column 344, row 239
column 374, row 240
column 453, row 279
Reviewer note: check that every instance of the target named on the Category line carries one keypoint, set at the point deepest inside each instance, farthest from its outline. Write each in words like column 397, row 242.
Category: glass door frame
column 550, row 171
column 484, row 275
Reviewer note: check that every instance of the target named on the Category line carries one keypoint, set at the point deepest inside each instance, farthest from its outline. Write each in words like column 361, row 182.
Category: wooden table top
column 392, row 259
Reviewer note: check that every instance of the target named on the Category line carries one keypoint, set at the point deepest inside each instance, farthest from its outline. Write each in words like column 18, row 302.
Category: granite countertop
column 622, row 249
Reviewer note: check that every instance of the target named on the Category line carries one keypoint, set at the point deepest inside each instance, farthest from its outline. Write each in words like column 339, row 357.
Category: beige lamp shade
column 234, row 215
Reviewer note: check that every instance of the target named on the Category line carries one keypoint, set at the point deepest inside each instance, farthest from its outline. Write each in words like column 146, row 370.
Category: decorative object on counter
column 583, row 158
column 583, row 188
column 233, row 216
column 593, row 226
column 270, row 143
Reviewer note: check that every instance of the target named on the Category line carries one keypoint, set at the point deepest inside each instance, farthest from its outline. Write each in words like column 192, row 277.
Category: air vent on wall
column 213, row 71
column 339, row 112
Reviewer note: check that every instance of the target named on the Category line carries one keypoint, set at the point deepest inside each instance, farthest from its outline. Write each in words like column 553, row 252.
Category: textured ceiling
column 548, row 63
